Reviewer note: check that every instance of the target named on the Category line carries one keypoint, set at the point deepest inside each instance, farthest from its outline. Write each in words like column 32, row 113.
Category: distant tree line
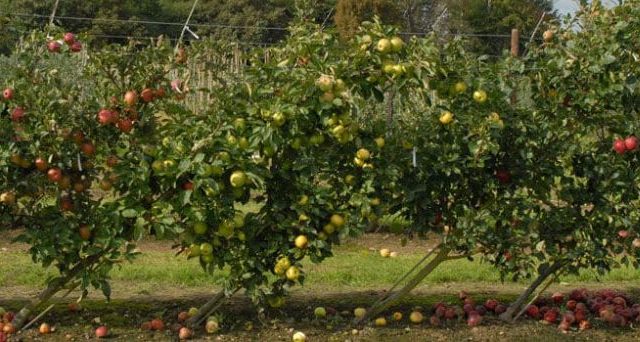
column 261, row 21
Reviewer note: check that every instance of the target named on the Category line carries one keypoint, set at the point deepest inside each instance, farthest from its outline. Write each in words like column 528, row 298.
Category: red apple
column 533, row 311
column 551, row 316
column 187, row 186
column 9, row 329
column 619, row 301
column 157, row 324
column 474, row 320
column 185, row 333
column 69, row 38
column 53, row 46
column 131, row 98
column 102, row 331
column 105, row 117
column 183, row 316
column 468, row 308
column 54, row 174
column 491, row 304
column 584, row 325
column 7, row 94
column 450, row 313
column 41, row 164
column 500, row 309
column 147, row 95
column 580, row 315
column 125, row 125
column 503, row 176
column 88, row 148
column 623, row 234
column 631, row 143
column 74, row 307
column 17, row 114
column 160, row 92
column 76, row 47
column 557, row 297
column 44, row 329
column 571, row 304
column 619, row 146
column 564, row 326
column 569, row 317
column 85, row 234
column 8, row 316
column 440, row 311
column 66, row 204
column 145, row 326
column 434, row 320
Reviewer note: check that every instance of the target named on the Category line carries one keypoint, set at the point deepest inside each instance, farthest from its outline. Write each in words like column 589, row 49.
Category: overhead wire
column 274, row 28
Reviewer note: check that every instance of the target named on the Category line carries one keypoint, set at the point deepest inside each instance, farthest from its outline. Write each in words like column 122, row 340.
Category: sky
column 566, row 6
column 570, row 6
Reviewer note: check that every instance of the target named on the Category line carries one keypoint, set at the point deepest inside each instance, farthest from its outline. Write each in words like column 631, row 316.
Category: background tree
column 350, row 13
column 482, row 17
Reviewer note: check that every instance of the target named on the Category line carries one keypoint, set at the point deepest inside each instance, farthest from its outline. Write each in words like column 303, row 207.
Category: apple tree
column 73, row 171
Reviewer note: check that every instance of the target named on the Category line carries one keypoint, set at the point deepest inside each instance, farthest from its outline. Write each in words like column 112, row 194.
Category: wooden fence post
column 515, row 52
column 515, row 42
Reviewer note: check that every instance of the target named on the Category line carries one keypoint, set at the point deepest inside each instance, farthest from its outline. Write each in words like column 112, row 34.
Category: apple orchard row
column 508, row 160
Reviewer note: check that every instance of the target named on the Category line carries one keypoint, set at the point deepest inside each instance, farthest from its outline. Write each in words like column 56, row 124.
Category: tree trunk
column 392, row 298
column 515, row 307
column 53, row 288
column 208, row 309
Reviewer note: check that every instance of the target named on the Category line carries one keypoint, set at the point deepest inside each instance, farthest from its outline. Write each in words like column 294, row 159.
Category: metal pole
column 184, row 28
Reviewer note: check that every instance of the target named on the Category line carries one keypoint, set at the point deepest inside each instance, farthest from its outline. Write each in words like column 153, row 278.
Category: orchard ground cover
column 160, row 285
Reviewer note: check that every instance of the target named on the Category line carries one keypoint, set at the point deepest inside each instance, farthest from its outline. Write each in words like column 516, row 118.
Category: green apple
column 296, row 143
column 243, row 143
column 239, row 124
column 384, row 45
column 157, row 166
column 279, row 119
column 293, row 273
column 480, row 96
column 325, row 83
column 397, row 44
column 224, row 156
column 238, row 220
column 238, row 179
column 200, row 228
column 460, row 87
column 320, row 312
column 194, row 250
column 168, row 164
column 207, row 258
column 379, row 142
column 206, row 249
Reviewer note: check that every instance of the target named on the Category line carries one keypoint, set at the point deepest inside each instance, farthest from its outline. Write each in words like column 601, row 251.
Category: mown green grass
column 351, row 268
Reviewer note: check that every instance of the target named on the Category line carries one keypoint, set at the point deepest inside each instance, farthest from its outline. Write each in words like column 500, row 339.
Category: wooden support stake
column 515, row 43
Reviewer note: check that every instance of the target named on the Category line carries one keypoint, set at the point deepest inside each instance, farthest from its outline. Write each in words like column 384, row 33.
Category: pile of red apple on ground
column 6, row 327
column 610, row 306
